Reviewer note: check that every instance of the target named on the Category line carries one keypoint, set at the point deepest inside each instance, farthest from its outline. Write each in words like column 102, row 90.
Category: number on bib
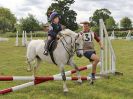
column 87, row 37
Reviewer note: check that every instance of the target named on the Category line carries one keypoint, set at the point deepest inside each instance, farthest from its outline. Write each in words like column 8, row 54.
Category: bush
column 35, row 34
column 120, row 34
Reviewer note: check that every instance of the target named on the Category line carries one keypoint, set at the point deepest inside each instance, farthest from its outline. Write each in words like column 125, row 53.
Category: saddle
column 51, row 47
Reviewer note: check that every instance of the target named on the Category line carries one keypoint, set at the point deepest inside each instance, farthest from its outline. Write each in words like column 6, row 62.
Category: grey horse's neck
column 67, row 40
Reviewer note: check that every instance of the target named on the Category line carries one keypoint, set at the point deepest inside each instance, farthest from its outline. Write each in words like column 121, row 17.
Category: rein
column 71, row 52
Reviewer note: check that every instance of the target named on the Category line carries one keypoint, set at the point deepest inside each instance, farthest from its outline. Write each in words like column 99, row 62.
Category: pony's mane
column 68, row 32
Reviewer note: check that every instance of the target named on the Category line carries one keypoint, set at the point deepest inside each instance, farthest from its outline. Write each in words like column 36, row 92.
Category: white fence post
column 128, row 37
column 31, row 35
column 107, row 56
column 23, row 39
column 17, row 38
column 102, row 54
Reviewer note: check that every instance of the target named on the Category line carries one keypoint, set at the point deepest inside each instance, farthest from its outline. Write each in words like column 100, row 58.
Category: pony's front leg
column 65, row 89
column 77, row 71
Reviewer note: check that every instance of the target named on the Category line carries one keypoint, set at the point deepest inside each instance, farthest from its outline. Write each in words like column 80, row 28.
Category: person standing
column 89, row 51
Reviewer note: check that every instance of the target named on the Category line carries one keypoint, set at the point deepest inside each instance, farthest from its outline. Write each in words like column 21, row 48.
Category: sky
column 84, row 8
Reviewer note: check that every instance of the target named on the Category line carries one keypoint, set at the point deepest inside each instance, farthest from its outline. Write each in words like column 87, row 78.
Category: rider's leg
column 91, row 55
column 47, row 45
column 95, row 59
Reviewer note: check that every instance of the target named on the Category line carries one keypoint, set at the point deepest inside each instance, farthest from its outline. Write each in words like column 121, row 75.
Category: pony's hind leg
column 38, row 60
column 29, row 68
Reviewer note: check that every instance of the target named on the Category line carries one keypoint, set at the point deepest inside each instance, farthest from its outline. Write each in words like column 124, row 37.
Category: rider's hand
column 58, row 36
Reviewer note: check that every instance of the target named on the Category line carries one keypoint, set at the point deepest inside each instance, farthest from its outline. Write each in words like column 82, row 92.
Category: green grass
column 13, row 62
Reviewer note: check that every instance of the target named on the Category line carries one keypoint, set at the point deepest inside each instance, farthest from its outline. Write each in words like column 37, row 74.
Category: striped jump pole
column 38, row 80
column 67, row 73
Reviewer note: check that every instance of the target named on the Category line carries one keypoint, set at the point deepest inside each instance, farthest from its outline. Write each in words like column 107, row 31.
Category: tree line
column 8, row 21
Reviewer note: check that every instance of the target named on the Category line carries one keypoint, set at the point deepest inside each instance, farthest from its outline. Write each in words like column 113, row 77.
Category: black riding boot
column 46, row 47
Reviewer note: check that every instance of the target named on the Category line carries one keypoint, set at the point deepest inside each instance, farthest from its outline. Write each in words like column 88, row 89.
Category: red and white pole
column 39, row 80
column 13, row 78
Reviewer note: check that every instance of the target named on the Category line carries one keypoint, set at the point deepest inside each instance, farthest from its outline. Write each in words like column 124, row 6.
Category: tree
column 126, row 23
column 104, row 14
column 7, row 20
column 68, row 17
column 29, row 24
column 110, row 23
column 100, row 14
column 95, row 29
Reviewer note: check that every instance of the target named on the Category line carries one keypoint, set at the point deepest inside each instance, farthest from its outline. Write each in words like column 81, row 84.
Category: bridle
column 73, row 45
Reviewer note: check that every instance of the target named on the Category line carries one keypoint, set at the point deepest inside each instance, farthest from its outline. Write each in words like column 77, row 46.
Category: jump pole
column 67, row 73
column 38, row 80
column 47, row 78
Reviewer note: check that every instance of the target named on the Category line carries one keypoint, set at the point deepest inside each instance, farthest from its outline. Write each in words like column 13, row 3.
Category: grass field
column 13, row 62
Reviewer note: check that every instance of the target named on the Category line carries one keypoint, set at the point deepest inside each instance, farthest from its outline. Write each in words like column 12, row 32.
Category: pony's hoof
column 65, row 90
column 91, row 82
column 79, row 81
column 29, row 70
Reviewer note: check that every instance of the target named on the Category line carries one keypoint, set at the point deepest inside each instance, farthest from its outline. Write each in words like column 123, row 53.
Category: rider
column 89, row 51
column 54, row 29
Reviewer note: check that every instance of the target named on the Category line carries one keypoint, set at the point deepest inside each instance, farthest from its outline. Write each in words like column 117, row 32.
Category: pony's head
column 76, row 41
